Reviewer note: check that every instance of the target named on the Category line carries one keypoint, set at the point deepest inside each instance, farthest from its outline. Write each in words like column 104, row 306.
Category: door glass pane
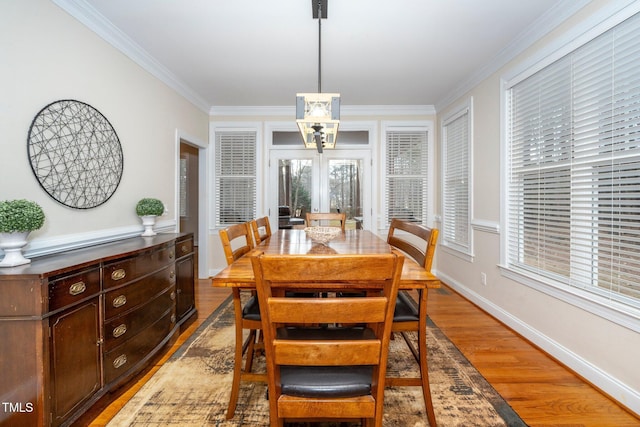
column 345, row 189
column 294, row 191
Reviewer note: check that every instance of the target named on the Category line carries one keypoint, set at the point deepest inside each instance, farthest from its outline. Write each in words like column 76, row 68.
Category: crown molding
column 534, row 32
column 89, row 16
column 345, row 110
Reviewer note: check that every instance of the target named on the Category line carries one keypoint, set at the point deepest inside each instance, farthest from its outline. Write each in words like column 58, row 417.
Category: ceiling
column 235, row 53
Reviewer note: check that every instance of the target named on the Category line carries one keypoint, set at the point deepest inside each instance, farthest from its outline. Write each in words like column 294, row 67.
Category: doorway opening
column 189, row 189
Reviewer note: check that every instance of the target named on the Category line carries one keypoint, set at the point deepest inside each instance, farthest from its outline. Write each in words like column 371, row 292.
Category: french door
column 302, row 181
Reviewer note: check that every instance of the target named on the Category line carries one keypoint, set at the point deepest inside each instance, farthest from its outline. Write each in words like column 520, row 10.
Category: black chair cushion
column 326, row 381
column 406, row 310
column 291, row 294
column 251, row 310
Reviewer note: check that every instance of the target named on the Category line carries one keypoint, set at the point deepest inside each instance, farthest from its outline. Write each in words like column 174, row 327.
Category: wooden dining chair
column 237, row 241
column 326, row 218
column 326, row 372
column 261, row 229
column 419, row 243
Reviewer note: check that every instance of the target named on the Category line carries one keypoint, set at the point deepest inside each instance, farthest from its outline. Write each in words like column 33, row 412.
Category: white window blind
column 406, row 175
column 456, row 190
column 235, row 177
column 574, row 168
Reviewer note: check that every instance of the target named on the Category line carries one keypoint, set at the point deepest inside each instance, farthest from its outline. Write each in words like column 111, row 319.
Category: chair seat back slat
column 326, row 219
column 416, row 240
column 327, row 353
column 357, row 407
column 346, row 310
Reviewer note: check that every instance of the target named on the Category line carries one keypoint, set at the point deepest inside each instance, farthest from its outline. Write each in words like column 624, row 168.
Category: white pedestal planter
column 12, row 244
column 148, row 221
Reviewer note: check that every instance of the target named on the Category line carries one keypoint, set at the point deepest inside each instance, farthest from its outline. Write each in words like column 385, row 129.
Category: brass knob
column 77, row 288
column 118, row 274
column 119, row 330
column 119, row 301
column 119, row 361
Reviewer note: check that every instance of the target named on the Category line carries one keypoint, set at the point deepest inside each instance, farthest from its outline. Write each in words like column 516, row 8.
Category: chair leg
column 237, row 363
column 369, row 422
column 250, row 349
column 424, row 375
column 420, row 354
column 274, row 420
column 424, row 366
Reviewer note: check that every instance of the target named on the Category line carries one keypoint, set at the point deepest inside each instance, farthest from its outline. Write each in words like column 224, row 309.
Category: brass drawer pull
column 184, row 249
column 77, row 288
column 118, row 274
column 172, row 296
column 119, row 361
column 119, row 330
column 119, row 301
column 173, row 318
column 171, row 254
column 172, row 274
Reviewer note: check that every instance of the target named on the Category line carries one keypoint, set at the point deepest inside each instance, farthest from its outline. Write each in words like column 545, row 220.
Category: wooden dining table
column 239, row 274
column 293, row 242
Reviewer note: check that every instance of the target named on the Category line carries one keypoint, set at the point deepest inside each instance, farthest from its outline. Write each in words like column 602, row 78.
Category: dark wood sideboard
column 78, row 324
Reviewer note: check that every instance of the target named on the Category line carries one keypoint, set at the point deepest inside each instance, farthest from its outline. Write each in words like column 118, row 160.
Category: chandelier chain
column 319, row 46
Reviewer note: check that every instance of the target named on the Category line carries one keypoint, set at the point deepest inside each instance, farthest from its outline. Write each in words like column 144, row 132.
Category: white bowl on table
column 323, row 235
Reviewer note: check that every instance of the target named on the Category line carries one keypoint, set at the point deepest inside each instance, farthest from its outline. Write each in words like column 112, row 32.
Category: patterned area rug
column 192, row 388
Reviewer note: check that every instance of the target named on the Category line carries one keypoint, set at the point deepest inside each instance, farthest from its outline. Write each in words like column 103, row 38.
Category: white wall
column 47, row 55
column 603, row 352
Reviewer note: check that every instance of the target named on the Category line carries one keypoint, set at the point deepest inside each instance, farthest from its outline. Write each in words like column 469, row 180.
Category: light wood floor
column 540, row 390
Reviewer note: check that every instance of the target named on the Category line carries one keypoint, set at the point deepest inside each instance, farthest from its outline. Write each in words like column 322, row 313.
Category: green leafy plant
column 149, row 206
column 20, row 215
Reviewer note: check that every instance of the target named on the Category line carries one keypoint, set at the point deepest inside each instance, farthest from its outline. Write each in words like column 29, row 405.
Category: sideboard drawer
column 184, row 247
column 120, row 329
column 122, row 300
column 127, row 270
column 126, row 356
column 67, row 290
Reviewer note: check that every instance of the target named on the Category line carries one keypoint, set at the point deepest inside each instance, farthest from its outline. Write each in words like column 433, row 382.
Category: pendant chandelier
column 318, row 114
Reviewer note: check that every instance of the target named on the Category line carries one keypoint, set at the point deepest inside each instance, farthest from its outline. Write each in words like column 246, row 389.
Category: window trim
column 603, row 21
column 421, row 126
column 223, row 127
column 457, row 112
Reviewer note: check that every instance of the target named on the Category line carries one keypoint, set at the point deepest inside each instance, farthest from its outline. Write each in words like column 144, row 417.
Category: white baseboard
column 613, row 387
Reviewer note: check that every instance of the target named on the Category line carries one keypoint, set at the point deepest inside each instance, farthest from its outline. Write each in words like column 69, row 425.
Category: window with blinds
column 406, row 175
column 456, row 191
column 235, row 177
column 574, row 169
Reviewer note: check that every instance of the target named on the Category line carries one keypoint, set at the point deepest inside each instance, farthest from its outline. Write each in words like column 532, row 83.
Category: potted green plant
column 148, row 209
column 18, row 218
